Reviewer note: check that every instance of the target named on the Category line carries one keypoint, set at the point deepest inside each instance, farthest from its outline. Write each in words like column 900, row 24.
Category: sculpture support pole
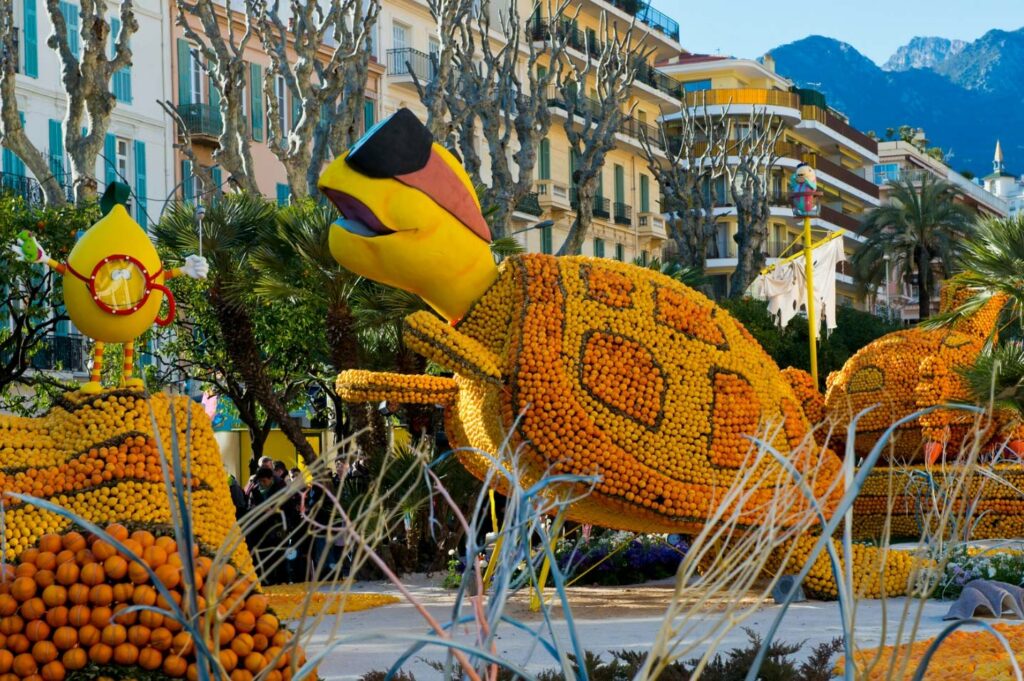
column 812, row 323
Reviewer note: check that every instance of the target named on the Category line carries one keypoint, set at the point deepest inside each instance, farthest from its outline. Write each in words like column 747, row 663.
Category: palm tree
column 919, row 231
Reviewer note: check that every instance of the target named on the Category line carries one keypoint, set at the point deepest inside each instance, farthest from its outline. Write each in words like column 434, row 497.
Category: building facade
column 1004, row 185
column 813, row 133
column 897, row 161
column 627, row 218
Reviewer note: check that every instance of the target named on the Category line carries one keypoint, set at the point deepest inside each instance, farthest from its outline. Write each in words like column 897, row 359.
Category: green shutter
column 544, row 163
column 620, row 184
column 140, row 184
column 184, row 70
column 256, row 100
column 369, row 114
column 188, row 187
column 31, row 67
column 296, row 109
column 546, row 245
column 215, row 174
column 70, row 13
column 598, row 248
column 283, row 194
column 56, row 150
column 214, row 97
column 645, row 194
column 109, row 154
column 620, row 252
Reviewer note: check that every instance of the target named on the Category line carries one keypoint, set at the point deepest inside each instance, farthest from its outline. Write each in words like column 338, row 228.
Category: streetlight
column 540, row 225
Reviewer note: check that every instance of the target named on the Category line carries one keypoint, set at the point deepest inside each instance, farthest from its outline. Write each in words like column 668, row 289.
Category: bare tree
column 222, row 52
column 752, row 157
column 86, row 79
column 508, row 98
column 695, row 155
column 592, row 124
column 445, row 112
column 326, row 85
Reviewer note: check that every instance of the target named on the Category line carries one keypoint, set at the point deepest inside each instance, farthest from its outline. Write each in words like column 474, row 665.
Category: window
column 644, row 258
column 641, row 116
column 544, row 160
column 546, row 245
column 121, row 159
column 195, row 77
column 369, row 114
column 70, row 13
column 620, row 252
column 620, row 184
column 188, row 182
column 435, row 56
column 645, row 194
column 122, row 80
column 256, row 100
column 399, row 36
column 30, row 65
column 697, row 85
column 283, row 194
column 282, row 109
column 598, row 248
column 886, row 172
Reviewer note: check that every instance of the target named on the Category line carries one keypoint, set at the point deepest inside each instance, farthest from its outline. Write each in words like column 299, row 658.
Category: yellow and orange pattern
column 624, row 373
column 97, row 456
column 906, row 371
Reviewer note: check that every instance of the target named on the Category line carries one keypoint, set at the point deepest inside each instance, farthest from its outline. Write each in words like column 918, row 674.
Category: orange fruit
column 89, row 635
column 125, row 618
column 102, row 550
column 114, row 634
column 65, row 556
column 126, row 654
column 259, row 642
column 255, row 662
column 52, row 671
column 101, row 653
column 18, row 643
column 151, row 619
column 138, row 573
column 182, row 643
column 117, row 531
column 78, row 594
column 266, row 624
column 116, row 567
column 23, row 588
column 25, row 570
column 29, row 555
column 101, row 594
column 8, row 606
column 154, row 556
column 6, row 661
column 138, row 635
column 144, row 595
column 65, row 638
column 33, row 608
column 226, row 633
column 169, row 576
column 92, row 574
column 24, row 665
column 44, row 578
column 245, row 621
column 79, row 615
column 241, row 675
column 51, row 542
column 101, row 616
column 174, row 666
column 242, row 645
column 37, row 630
column 44, row 651
column 73, row 541
column 46, row 560
column 144, row 538
column 55, row 595
column 161, row 638
column 57, row 617
column 67, row 573
column 150, row 659
column 228, row 659
column 74, row 659
column 123, row 592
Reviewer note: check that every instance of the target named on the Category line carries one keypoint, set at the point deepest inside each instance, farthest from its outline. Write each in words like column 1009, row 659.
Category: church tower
column 1000, row 182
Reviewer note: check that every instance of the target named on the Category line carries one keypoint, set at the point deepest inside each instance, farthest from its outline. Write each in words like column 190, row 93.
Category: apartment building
column 814, row 133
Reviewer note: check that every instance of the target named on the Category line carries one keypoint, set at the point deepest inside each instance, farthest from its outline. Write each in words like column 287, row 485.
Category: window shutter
column 256, row 100
column 296, row 109
column 215, row 190
column 620, row 184
column 283, row 194
column 31, row 67
column 369, row 114
column 70, row 13
column 123, row 78
column 109, row 152
column 598, row 248
column 12, row 163
column 214, row 97
column 57, row 150
column 188, row 187
column 645, row 194
column 184, row 69
column 140, row 184
column 545, row 240
column 544, row 163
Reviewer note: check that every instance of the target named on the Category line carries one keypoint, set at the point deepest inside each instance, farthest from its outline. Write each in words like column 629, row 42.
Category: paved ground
column 606, row 619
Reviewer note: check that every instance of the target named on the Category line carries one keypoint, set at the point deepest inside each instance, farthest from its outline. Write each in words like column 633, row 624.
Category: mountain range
column 965, row 95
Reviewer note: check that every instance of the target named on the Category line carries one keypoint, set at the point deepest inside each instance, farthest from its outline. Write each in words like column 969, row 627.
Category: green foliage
column 624, row 665
column 791, row 346
column 998, row 375
column 966, row 565
column 31, row 298
column 923, row 223
column 689, row 275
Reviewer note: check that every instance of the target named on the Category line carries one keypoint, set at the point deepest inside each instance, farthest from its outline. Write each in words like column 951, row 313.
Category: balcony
column 659, row 21
column 841, row 220
column 61, row 353
column 842, row 174
column 25, row 187
column 601, row 205
column 652, row 226
column 743, row 97
column 664, row 83
column 623, row 213
column 552, row 195
column 838, row 125
column 203, row 121
column 530, row 204
column 406, row 62
column 632, row 127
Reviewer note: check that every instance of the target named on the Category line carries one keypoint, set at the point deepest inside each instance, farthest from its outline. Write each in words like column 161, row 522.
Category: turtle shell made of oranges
column 619, row 372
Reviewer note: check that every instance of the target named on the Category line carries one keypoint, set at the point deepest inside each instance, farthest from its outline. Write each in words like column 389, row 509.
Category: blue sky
column 748, row 28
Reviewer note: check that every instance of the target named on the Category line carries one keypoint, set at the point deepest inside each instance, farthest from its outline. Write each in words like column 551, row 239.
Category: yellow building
column 627, row 221
column 813, row 133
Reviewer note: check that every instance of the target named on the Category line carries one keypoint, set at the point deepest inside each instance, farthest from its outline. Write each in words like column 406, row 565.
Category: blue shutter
column 598, row 248
column 70, row 13
column 109, row 154
column 645, row 194
column 12, row 163
column 31, row 39
column 56, row 150
column 256, row 100
column 283, row 194
column 188, row 187
column 184, row 69
column 122, row 80
column 140, row 184
column 214, row 97
column 369, row 114
column 296, row 110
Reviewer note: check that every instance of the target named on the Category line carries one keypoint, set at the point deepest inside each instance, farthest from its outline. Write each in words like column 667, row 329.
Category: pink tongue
column 354, row 209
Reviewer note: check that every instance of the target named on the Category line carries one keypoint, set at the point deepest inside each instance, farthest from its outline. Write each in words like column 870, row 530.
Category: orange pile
column 61, row 608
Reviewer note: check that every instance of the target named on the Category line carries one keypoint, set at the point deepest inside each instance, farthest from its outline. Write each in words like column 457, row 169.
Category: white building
column 138, row 146
column 1004, row 185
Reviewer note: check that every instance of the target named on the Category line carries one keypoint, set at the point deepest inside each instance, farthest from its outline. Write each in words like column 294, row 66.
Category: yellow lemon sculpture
column 114, row 283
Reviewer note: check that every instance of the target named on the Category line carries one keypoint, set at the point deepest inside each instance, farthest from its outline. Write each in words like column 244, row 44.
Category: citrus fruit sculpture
column 911, row 370
column 113, row 282
column 62, row 591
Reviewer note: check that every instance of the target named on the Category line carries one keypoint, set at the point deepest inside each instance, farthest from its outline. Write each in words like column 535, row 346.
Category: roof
column 691, row 59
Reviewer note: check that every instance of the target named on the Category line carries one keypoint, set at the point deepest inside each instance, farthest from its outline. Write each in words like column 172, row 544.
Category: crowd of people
column 298, row 537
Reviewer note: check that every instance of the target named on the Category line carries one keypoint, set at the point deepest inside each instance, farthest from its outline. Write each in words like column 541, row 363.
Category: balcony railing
column 830, row 120
column 601, row 205
column 633, row 127
column 530, row 204
column 201, row 119
column 649, row 75
column 25, row 187
column 658, row 21
column 409, row 62
column 742, row 96
column 838, row 219
column 842, row 174
column 623, row 213
column 61, row 353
